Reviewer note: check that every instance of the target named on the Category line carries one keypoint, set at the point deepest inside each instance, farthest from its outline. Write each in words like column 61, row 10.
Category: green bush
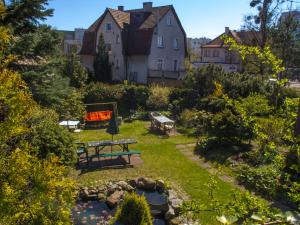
column 234, row 85
column 181, row 99
column 228, row 127
column 264, row 179
column 159, row 98
column 48, row 138
column 133, row 211
column 134, row 96
column 100, row 92
column 188, row 118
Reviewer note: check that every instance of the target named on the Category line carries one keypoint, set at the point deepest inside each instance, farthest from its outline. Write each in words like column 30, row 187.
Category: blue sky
column 199, row 17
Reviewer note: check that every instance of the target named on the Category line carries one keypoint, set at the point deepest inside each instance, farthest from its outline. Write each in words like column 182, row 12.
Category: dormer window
column 169, row 21
column 160, row 41
column 176, row 44
column 108, row 27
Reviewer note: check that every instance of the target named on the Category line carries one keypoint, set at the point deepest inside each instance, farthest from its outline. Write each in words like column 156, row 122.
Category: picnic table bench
column 123, row 144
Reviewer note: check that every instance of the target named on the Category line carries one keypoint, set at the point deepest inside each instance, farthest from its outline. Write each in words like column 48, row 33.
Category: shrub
column 235, row 85
column 134, row 211
column 228, row 127
column 159, row 98
column 100, row 92
column 264, row 179
column 188, row 118
column 181, row 99
column 71, row 108
column 134, row 96
column 48, row 138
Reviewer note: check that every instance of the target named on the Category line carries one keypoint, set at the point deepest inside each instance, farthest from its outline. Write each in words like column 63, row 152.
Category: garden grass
column 162, row 160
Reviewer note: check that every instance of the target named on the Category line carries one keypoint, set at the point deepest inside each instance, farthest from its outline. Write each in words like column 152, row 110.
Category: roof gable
column 241, row 37
column 137, row 29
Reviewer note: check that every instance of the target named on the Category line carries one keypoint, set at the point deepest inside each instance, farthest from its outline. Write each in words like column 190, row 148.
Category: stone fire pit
column 164, row 203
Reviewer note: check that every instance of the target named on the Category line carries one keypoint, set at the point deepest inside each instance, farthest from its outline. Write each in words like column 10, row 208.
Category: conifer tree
column 102, row 66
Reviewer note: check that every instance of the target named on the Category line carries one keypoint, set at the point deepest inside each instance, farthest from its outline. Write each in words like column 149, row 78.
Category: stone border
column 113, row 194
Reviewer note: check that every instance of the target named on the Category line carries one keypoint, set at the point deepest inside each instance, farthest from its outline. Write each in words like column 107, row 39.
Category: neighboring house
column 295, row 14
column 194, row 44
column 216, row 52
column 72, row 40
column 145, row 45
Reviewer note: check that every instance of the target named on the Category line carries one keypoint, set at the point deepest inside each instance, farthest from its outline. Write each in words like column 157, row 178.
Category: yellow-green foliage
column 264, row 56
column 34, row 191
column 159, row 97
column 133, row 211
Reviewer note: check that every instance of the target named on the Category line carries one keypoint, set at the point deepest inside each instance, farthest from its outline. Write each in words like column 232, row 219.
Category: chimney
column 226, row 30
column 147, row 6
column 121, row 8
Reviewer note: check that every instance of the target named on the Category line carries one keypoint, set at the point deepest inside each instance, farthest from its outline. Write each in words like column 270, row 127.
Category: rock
column 84, row 194
column 133, row 183
column 172, row 195
column 176, row 203
column 146, row 183
column 175, row 221
column 114, row 199
column 160, row 186
column 101, row 197
column 125, row 186
column 170, row 214
column 112, row 188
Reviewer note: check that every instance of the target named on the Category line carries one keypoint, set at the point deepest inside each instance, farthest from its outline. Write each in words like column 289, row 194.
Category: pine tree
column 25, row 15
column 102, row 66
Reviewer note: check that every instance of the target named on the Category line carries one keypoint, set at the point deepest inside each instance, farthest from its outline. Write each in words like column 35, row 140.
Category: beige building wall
column 208, row 55
column 88, row 62
column 138, row 68
column 167, row 53
column 116, row 54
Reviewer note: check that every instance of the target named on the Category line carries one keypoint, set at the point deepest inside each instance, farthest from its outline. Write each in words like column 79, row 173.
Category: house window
column 160, row 41
column 175, row 65
column 118, row 39
column 169, row 21
column 108, row 27
column 206, row 53
column 176, row 44
column 108, row 46
column 160, row 64
column 216, row 53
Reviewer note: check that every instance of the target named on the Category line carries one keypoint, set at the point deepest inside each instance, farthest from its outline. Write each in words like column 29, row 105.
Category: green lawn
column 161, row 159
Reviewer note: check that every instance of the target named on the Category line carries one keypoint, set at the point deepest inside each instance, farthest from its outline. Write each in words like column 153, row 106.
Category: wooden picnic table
column 123, row 143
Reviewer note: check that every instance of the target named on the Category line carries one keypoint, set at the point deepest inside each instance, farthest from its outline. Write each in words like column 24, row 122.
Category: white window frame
column 169, row 20
column 106, row 27
column 160, row 64
column 176, row 44
column 160, row 41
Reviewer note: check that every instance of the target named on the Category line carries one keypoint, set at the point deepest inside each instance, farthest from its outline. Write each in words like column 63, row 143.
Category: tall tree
column 102, row 66
column 24, row 15
column 267, row 16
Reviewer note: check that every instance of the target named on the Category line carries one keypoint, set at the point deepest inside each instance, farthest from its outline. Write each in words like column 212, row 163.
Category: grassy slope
column 161, row 160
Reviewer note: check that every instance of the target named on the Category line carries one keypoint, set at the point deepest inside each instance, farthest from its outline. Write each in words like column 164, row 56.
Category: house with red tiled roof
column 216, row 52
column 145, row 45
